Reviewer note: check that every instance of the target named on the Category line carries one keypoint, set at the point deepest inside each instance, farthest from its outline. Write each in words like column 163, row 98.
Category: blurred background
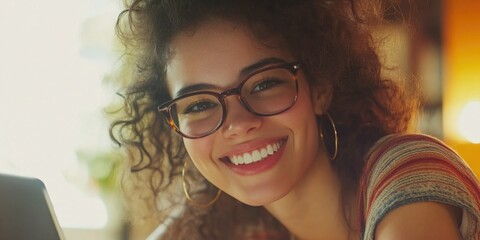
column 57, row 59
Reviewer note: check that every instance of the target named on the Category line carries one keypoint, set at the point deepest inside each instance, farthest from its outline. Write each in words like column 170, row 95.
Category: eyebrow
column 194, row 88
column 260, row 64
column 243, row 73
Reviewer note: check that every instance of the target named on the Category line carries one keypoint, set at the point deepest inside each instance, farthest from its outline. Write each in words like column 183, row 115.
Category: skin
column 418, row 221
column 301, row 190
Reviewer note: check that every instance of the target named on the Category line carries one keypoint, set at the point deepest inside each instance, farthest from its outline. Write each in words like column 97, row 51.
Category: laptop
column 25, row 210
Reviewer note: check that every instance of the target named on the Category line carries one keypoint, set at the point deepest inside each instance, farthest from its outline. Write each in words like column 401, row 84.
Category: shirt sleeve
column 403, row 169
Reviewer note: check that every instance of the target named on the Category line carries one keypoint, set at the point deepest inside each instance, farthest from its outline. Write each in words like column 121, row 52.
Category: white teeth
column 269, row 149
column 240, row 160
column 247, row 158
column 256, row 155
column 263, row 153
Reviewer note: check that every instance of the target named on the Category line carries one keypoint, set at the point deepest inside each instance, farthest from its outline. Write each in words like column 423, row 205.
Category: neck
column 314, row 209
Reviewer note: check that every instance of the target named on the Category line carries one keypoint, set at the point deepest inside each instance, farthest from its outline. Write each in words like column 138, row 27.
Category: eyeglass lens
column 265, row 93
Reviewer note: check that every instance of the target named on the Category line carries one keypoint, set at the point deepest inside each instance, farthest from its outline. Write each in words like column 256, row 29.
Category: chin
column 261, row 198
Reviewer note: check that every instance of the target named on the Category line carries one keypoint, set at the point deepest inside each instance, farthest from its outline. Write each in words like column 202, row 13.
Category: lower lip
column 260, row 166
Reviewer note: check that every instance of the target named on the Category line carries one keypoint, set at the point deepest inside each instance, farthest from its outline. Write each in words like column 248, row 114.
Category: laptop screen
column 25, row 210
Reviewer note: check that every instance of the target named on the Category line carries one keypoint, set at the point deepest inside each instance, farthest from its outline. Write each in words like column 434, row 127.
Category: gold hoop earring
column 333, row 131
column 189, row 198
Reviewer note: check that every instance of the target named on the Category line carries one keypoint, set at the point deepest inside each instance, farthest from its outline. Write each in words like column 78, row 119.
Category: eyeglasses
column 265, row 92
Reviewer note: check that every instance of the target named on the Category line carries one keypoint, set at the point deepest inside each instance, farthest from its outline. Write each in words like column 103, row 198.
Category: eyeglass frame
column 165, row 108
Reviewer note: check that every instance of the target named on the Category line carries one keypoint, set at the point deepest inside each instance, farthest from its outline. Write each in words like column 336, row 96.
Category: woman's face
column 214, row 57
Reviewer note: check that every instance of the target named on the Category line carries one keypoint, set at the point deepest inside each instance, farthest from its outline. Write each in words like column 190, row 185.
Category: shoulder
column 414, row 168
column 412, row 154
column 424, row 220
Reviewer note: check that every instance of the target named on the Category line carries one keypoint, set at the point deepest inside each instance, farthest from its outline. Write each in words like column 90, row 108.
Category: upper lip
column 250, row 146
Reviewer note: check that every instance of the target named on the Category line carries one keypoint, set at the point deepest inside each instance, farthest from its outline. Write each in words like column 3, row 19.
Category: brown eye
column 266, row 84
column 200, row 106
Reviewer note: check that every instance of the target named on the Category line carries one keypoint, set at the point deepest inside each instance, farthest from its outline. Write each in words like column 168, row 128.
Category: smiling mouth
column 256, row 155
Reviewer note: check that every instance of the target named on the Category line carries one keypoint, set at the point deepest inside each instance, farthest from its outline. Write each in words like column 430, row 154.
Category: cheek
column 303, row 110
column 199, row 151
column 303, row 121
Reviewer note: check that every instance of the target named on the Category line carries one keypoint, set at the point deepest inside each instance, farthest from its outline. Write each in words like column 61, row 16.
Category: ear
column 321, row 96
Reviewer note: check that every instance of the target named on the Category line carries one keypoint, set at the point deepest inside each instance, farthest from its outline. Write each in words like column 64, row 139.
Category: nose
column 239, row 120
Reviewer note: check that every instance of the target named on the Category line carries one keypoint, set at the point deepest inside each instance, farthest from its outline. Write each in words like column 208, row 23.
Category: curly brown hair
column 332, row 41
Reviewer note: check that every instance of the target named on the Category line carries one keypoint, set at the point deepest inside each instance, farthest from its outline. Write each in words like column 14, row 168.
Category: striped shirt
column 403, row 169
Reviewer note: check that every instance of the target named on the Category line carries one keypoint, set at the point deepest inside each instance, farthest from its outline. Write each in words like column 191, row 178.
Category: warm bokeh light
column 469, row 122
column 462, row 62
column 54, row 56
column 462, row 77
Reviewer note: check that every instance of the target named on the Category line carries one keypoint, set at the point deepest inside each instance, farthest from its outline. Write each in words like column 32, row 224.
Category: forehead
column 215, row 53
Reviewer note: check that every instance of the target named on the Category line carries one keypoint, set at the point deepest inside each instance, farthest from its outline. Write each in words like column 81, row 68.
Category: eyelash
column 270, row 81
column 189, row 109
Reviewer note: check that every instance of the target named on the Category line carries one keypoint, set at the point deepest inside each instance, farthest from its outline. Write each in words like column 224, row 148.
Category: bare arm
column 423, row 220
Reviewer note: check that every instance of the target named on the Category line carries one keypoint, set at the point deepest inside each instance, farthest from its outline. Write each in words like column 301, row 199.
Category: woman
column 281, row 108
